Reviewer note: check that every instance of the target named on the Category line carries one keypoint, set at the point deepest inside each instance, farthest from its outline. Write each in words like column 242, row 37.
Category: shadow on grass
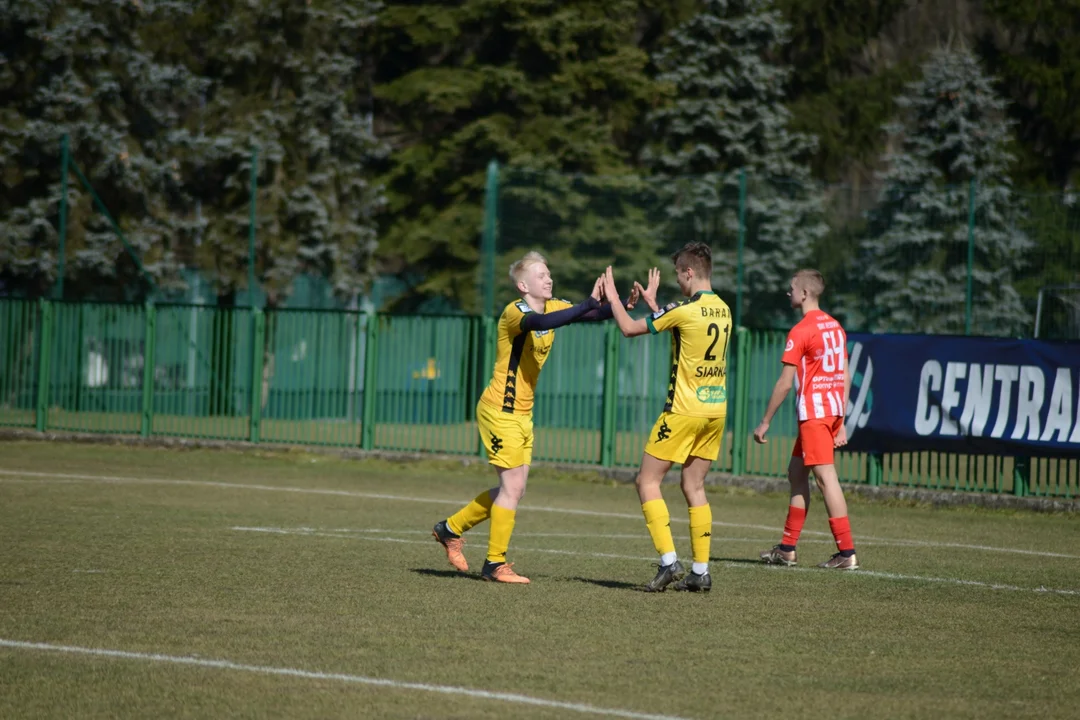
column 444, row 573
column 611, row 584
column 740, row 561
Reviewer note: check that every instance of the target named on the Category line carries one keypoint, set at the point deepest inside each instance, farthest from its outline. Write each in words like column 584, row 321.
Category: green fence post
column 609, row 417
column 371, row 360
column 149, row 353
column 115, row 226
column 258, row 340
column 251, row 225
column 1021, row 476
column 487, row 249
column 486, row 342
column 970, row 257
column 740, row 420
column 875, row 469
column 65, row 158
column 741, row 242
column 472, row 348
column 45, row 333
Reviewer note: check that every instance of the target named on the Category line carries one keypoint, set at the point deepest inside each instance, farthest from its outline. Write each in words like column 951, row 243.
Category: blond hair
column 811, row 281
column 518, row 268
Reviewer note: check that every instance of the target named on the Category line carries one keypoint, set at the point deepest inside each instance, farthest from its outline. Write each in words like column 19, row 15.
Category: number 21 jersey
column 700, row 333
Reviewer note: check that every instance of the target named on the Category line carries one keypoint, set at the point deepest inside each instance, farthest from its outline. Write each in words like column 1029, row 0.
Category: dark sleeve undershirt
column 604, row 312
column 559, row 318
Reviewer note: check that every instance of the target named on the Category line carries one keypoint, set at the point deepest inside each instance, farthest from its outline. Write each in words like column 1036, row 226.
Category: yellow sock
column 472, row 514
column 701, row 532
column 502, row 526
column 658, row 521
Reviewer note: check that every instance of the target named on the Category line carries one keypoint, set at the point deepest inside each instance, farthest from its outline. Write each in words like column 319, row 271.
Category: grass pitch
column 128, row 575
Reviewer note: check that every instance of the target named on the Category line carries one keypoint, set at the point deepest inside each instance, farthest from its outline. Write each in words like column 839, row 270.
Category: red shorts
column 815, row 442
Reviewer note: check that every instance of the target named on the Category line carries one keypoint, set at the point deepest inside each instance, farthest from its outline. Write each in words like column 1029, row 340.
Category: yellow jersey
column 700, row 335
column 519, row 357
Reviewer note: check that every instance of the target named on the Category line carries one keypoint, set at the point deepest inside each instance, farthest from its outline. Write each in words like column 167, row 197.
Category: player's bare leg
column 506, row 497
column 650, row 476
column 784, row 553
column 658, row 520
column 799, row 481
column 693, row 486
column 511, row 487
column 829, row 484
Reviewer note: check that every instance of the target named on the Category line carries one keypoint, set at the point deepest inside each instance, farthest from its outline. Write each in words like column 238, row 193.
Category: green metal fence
column 303, row 377
column 977, row 259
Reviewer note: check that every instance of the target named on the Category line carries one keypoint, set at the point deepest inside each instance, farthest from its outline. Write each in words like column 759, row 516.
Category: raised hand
column 649, row 293
column 635, row 295
column 598, row 289
column 610, row 291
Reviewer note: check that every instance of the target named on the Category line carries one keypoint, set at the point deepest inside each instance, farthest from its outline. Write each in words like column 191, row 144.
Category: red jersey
column 817, row 347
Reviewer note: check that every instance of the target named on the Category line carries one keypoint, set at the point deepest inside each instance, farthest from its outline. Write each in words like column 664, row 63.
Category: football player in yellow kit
column 691, row 426
column 504, row 413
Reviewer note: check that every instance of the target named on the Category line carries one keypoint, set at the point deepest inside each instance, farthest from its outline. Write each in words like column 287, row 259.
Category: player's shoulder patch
column 667, row 308
column 523, row 306
column 790, row 345
column 562, row 300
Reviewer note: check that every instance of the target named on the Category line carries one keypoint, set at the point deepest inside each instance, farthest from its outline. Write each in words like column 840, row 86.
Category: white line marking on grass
column 341, row 677
column 314, row 533
column 716, row 538
column 308, row 532
column 588, row 536
column 531, row 508
column 917, row 578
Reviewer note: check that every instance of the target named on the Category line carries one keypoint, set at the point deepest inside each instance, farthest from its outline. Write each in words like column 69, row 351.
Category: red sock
column 841, row 530
column 796, row 516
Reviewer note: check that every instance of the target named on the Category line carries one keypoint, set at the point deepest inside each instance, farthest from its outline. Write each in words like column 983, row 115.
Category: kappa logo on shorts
column 664, row 432
column 496, row 444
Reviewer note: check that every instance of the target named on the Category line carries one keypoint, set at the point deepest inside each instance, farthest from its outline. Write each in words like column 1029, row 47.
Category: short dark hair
column 697, row 255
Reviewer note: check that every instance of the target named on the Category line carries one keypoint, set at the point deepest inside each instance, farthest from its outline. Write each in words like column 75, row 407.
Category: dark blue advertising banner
column 963, row 395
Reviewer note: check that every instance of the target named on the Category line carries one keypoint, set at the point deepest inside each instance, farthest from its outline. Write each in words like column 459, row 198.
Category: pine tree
column 728, row 115
column 831, row 96
column 1033, row 50
column 292, row 80
column 549, row 85
column 83, row 69
column 952, row 130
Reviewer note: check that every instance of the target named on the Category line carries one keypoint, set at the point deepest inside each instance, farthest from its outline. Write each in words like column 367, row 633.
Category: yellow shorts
column 508, row 437
column 676, row 437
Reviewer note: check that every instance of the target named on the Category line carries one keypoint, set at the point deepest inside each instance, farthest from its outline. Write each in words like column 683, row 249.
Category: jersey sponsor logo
column 710, row 372
column 790, row 346
column 670, row 306
column 712, row 394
